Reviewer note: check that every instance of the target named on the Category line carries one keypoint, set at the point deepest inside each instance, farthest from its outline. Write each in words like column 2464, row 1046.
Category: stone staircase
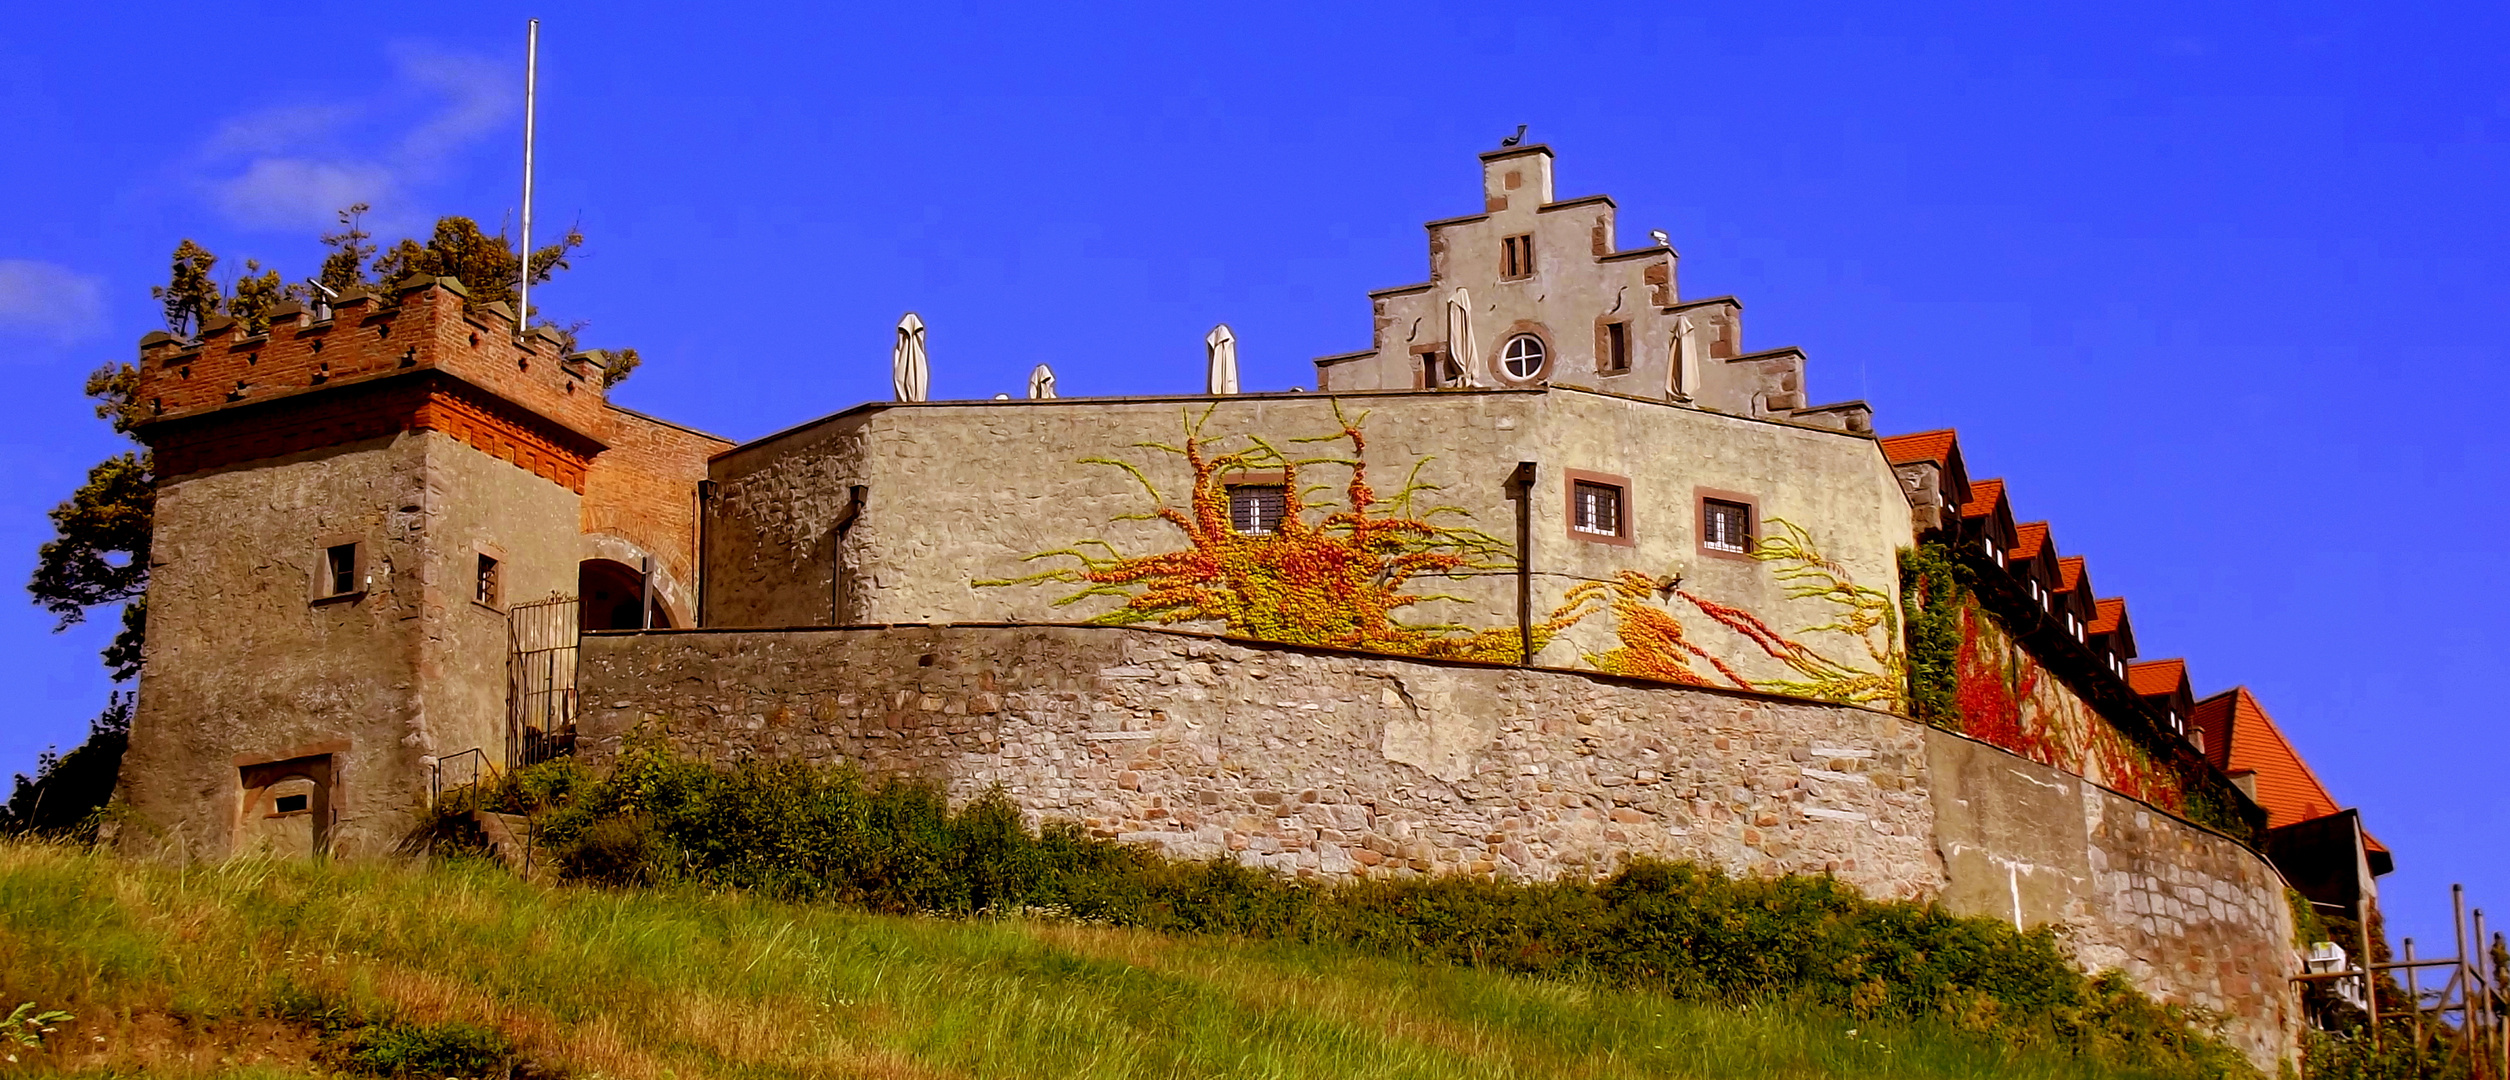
column 512, row 839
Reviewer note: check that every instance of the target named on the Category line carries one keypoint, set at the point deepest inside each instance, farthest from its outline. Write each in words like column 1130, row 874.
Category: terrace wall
column 1335, row 764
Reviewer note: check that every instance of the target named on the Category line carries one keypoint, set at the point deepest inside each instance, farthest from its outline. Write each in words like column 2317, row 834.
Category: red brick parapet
column 417, row 355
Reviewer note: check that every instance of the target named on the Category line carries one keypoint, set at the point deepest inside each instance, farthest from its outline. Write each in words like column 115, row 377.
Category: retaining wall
column 1323, row 763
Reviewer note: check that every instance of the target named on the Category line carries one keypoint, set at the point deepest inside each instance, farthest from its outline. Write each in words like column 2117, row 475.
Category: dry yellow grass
column 178, row 971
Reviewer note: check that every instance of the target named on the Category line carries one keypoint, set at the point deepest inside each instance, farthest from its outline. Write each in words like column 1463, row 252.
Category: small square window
column 1516, row 256
column 1257, row 509
column 486, row 590
column 1616, row 347
column 1596, row 508
column 292, row 804
column 339, row 569
column 1726, row 526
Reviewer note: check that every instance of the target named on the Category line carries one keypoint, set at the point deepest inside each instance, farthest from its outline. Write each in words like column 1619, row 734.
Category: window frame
column 319, row 589
column 489, row 557
column 1571, row 478
column 1516, row 257
column 1612, row 347
column 1255, row 478
column 1521, row 331
column 1542, row 355
column 1700, row 500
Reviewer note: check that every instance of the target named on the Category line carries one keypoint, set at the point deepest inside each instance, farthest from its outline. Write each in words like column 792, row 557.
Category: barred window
column 1597, row 508
column 1257, row 509
column 486, row 590
column 1726, row 526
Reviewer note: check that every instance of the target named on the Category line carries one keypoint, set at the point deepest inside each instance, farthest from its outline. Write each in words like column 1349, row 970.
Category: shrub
column 617, row 851
column 422, row 1050
column 369, row 1039
column 797, row 831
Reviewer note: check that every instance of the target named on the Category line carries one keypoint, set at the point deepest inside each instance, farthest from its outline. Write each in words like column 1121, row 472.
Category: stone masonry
column 1329, row 764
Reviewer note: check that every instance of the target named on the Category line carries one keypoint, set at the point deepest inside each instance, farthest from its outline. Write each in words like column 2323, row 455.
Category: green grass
column 229, row 969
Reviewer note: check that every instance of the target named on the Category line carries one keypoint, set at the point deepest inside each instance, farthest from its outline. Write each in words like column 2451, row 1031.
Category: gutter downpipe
column 1522, row 480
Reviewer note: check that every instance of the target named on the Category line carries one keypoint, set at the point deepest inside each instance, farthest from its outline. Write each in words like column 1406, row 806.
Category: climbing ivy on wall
column 1343, row 573
column 1653, row 643
column 1331, row 573
column 1966, row 674
column 1933, row 587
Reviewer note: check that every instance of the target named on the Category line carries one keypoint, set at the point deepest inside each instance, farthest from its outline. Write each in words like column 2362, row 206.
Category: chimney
column 1516, row 176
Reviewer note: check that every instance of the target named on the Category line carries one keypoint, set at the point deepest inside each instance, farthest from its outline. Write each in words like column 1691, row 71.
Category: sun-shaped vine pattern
column 1344, row 573
column 1653, row 643
column 1337, row 574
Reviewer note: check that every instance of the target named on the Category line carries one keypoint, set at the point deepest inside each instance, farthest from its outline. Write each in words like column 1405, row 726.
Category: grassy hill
column 261, row 968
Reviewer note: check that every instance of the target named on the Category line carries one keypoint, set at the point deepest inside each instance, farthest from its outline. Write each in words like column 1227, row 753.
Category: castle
column 1555, row 572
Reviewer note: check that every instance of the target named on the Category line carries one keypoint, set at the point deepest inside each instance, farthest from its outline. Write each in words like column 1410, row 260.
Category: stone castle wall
column 961, row 493
column 1335, row 764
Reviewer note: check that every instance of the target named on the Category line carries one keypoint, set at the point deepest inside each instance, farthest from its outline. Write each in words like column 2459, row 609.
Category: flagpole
column 531, row 88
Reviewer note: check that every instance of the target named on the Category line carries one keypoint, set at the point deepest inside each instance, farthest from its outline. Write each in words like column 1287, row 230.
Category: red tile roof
column 2149, row 677
column 1983, row 496
column 2028, row 538
column 1921, row 446
column 2107, row 614
column 2070, row 574
column 2241, row 739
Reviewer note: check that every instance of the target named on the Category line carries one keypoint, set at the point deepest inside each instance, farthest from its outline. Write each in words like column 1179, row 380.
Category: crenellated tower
column 350, row 506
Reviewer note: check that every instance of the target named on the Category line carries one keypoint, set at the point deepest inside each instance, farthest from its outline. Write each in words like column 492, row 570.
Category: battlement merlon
column 410, row 325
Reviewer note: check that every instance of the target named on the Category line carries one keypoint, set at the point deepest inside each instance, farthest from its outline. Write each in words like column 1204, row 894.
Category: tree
column 256, row 293
column 99, row 554
column 345, row 267
column 100, row 548
column 618, row 367
column 68, row 789
column 486, row 265
column 190, row 295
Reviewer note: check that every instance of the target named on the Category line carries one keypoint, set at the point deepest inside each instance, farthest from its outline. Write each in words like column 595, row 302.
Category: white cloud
column 278, row 131
column 293, row 167
column 480, row 98
column 48, row 300
column 295, row 193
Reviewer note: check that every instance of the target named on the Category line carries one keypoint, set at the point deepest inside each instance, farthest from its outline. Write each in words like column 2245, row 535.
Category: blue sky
column 2217, row 288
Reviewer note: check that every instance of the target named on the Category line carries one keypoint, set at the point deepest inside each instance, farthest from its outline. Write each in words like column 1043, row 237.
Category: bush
column 366, row 1039
column 423, row 1050
column 796, row 831
column 616, row 851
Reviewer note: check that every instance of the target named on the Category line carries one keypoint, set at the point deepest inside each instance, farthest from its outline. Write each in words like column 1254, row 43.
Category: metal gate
column 540, row 680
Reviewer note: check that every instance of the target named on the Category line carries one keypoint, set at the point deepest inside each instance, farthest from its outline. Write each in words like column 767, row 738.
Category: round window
column 1522, row 357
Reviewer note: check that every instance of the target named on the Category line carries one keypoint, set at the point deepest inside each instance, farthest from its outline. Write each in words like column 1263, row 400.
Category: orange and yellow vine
column 1654, row 645
column 1336, row 574
column 1343, row 573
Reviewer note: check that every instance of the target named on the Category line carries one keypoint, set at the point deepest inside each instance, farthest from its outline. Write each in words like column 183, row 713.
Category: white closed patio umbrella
column 910, row 371
column 1220, row 349
column 1462, row 351
column 1041, row 383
